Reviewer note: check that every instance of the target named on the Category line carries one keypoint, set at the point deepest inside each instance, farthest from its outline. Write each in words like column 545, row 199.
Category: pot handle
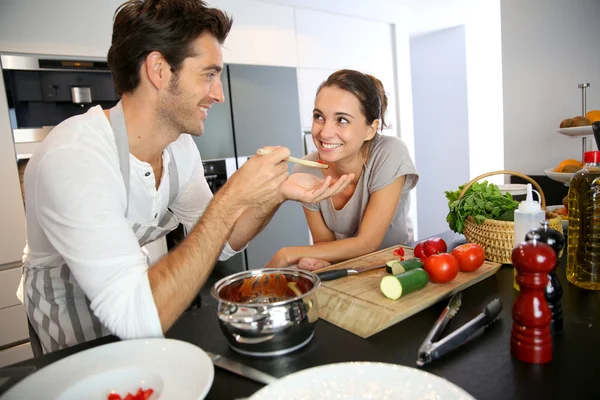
column 241, row 339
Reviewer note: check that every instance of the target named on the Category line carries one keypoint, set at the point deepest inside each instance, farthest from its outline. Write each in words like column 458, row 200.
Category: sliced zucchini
column 396, row 267
column 394, row 287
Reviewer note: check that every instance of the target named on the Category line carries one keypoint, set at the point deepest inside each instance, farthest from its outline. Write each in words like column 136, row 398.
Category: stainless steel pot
column 264, row 328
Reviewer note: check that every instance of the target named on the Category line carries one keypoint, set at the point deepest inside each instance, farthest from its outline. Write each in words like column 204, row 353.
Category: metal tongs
column 431, row 350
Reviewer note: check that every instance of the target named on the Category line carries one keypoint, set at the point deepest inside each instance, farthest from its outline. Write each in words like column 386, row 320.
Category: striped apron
column 58, row 310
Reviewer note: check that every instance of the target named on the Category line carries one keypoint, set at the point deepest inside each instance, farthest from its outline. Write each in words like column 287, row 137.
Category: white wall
column 404, row 106
column 481, row 20
column 441, row 122
column 549, row 47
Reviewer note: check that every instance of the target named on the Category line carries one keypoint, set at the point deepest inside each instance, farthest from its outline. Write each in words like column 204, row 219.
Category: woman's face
column 339, row 126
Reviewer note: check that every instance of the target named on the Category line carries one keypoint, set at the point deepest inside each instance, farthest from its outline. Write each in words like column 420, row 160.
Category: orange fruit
column 593, row 115
column 568, row 163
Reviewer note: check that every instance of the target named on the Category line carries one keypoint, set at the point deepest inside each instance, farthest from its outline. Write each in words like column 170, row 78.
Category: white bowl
column 564, row 177
column 514, row 189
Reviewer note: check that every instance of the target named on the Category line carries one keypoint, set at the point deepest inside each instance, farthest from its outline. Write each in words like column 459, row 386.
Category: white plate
column 172, row 368
column 559, row 176
column 577, row 131
column 361, row 380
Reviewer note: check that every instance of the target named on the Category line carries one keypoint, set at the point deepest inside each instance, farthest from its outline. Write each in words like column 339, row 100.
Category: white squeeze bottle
column 528, row 216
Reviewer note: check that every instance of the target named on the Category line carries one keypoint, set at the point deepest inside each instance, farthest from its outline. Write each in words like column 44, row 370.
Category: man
column 107, row 182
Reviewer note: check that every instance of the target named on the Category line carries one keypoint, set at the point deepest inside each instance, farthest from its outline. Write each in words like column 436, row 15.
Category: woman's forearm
column 335, row 251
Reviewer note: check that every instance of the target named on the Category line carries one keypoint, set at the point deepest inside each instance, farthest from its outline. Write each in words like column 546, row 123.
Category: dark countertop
column 482, row 367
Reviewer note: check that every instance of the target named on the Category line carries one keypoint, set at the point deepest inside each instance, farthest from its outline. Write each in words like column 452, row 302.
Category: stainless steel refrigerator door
column 266, row 111
column 217, row 140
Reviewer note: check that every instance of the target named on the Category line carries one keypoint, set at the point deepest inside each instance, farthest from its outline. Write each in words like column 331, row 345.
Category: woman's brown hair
column 367, row 89
column 167, row 26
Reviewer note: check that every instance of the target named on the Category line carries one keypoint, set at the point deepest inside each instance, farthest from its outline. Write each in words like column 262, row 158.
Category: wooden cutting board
column 356, row 304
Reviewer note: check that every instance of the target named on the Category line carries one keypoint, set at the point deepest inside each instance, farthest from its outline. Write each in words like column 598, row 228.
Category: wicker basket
column 497, row 237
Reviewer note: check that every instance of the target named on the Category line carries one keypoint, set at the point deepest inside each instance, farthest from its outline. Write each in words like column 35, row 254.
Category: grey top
column 388, row 159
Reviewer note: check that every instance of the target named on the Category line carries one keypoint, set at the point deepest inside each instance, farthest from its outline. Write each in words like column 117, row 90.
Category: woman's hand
column 310, row 189
column 312, row 264
column 279, row 260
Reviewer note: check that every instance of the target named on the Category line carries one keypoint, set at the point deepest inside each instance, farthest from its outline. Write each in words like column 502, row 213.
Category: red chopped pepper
column 140, row 395
column 399, row 252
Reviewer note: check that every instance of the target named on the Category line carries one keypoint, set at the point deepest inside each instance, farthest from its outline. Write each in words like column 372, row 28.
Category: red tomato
column 470, row 256
column 419, row 251
column 114, row 396
column 441, row 268
column 434, row 246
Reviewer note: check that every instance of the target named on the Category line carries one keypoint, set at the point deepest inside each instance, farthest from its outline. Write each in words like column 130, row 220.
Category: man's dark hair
column 167, row 26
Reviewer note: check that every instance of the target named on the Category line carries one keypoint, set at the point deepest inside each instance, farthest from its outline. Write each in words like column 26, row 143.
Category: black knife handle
column 333, row 274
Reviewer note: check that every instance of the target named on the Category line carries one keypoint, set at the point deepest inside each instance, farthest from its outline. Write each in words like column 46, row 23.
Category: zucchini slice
column 396, row 267
column 394, row 287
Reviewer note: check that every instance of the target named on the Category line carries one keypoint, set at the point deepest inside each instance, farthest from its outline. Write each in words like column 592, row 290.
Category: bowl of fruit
column 564, row 171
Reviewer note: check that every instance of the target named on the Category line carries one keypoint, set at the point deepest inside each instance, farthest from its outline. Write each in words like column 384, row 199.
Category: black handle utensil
column 596, row 128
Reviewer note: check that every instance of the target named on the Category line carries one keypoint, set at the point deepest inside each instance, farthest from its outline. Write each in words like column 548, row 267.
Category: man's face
column 194, row 88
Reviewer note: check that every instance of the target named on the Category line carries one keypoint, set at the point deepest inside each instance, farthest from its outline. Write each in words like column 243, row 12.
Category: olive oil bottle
column 583, row 248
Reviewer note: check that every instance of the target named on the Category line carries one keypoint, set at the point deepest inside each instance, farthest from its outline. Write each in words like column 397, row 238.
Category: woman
column 372, row 212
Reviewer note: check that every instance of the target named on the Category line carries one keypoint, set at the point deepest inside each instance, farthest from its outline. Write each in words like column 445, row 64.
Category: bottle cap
column 529, row 205
column 591, row 157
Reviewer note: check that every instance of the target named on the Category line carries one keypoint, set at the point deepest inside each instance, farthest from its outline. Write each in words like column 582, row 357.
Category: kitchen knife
column 241, row 369
column 340, row 273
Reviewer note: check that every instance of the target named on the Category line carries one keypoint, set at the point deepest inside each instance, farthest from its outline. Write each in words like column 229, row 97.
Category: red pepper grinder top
column 531, row 339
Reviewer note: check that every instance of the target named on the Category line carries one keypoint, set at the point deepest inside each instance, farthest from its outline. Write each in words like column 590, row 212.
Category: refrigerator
column 261, row 108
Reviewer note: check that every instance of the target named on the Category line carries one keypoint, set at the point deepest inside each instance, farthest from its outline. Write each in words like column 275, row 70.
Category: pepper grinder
column 556, row 240
column 530, row 338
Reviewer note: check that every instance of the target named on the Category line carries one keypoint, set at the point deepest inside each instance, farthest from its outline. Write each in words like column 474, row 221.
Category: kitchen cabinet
column 14, row 334
column 336, row 41
column 12, row 212
column 309, row 80
column 331, row 42
column 15, row 354
column 9, row 282
column 13, row 325
column 262, row 33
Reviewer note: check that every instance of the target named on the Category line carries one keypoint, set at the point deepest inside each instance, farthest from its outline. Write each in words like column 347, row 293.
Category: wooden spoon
column 300, row 161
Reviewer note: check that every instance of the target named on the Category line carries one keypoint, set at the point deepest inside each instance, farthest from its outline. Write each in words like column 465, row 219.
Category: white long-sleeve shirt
column 75, row 199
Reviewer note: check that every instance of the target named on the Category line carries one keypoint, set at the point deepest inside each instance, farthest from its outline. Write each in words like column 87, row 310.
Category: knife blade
column 240, row 369
column 340, row 273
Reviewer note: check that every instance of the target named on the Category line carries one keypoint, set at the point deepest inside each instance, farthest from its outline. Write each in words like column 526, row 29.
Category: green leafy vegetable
column 482, row 201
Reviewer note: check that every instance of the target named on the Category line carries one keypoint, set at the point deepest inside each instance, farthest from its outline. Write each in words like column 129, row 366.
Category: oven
column 42, row 91
column 216, row 173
